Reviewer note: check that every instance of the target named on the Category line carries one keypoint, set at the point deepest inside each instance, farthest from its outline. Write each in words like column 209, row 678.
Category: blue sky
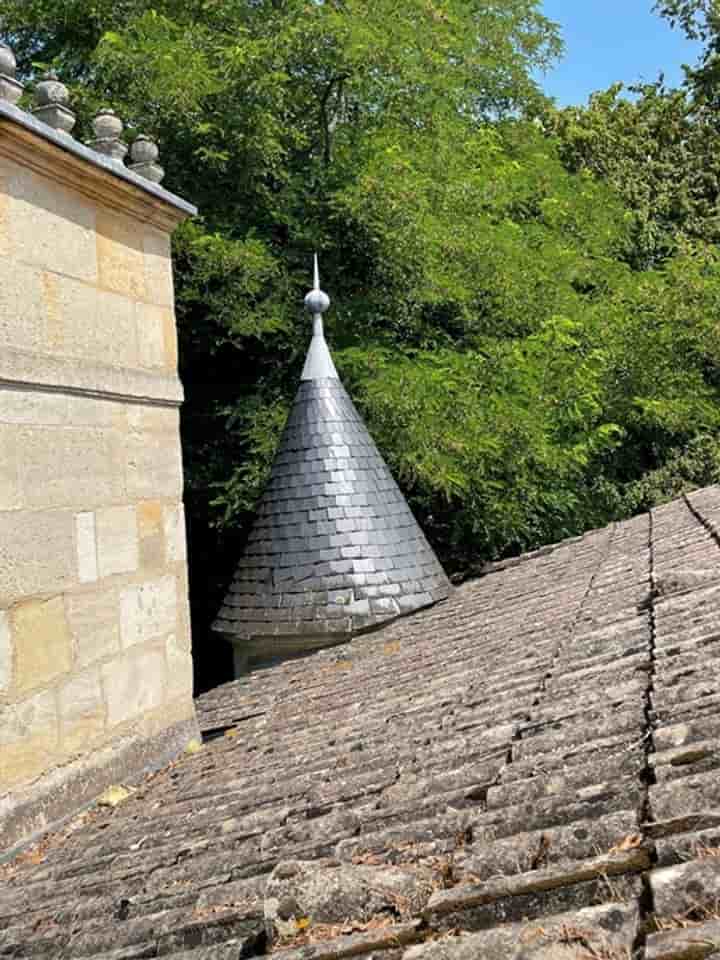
column 610, row 40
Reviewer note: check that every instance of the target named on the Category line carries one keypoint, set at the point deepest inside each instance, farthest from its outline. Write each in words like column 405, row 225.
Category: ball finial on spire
column 317, row 302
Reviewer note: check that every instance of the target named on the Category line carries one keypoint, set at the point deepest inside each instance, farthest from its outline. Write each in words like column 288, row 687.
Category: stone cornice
column 26, row 371
column 58, row 156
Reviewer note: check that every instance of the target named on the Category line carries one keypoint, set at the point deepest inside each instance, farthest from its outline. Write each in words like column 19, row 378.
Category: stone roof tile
column 529, row 770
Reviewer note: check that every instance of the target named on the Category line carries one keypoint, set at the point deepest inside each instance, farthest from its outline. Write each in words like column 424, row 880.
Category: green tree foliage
column 700, row 20
column 523, row 310
column 661, row 152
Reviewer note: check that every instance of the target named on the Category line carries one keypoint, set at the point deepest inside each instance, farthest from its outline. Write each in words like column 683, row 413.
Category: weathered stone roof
column 528, row 770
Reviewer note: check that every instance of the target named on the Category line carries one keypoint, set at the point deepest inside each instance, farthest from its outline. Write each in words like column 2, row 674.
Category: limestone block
column 50, row 226
column 50, row 285
column 134, row 683
column 86, row 547
column 93, row 412
column 148, row 611
column 37, row 408
column 152, row 553
column 153, row 466
column 151, row 323
column 170, row 713
column 150, row 514
column 6, row 653
column 120, row 255
column 180, row 670
column 116, row 339
column 70, row 467
column 88, row 323
column 158, row 267
column 94, row 621
column 184, row 635
column 4, row 218
column 117, row 540
column 82, row 711
column 22, row 307
column 36, row 557
column 153, row 419
column 170, row 340
column 10, row 494
column 150, row 530
column 28, row 736
column 175, row 537
column 42, row 641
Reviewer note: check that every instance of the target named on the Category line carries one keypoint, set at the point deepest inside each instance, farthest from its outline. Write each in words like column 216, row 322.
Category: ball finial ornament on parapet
column 108, row 129
column 52, row 104
column 144, row 156
column 10, row 88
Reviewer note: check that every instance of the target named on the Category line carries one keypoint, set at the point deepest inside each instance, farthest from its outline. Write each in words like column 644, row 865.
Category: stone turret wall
column 95, row 662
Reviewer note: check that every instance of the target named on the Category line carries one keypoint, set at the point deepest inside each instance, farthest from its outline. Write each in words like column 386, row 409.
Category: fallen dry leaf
column 114, row 796
column 627, row 843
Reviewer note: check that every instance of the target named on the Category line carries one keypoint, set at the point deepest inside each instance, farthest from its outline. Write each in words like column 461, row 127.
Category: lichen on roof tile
column 528, row 770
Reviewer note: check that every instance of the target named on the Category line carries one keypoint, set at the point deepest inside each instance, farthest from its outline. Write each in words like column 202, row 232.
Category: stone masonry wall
column 95, row 661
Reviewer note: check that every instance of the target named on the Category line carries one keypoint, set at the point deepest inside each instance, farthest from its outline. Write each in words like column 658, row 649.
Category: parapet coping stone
column 77, row 149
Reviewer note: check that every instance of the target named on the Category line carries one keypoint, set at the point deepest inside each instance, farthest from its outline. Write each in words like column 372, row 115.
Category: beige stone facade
column 95, row 656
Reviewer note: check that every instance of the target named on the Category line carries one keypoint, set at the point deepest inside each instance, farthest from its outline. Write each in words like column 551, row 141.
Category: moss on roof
column 529, row 770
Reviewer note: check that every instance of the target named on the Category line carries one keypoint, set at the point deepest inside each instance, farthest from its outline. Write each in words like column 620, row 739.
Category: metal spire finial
column 317, row 302
column 318, row 363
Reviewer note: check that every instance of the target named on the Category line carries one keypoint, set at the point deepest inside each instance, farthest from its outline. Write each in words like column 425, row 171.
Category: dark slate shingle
column 361, row 528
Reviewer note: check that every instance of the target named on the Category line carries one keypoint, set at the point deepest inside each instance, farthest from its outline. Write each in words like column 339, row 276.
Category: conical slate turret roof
column 334, row 549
